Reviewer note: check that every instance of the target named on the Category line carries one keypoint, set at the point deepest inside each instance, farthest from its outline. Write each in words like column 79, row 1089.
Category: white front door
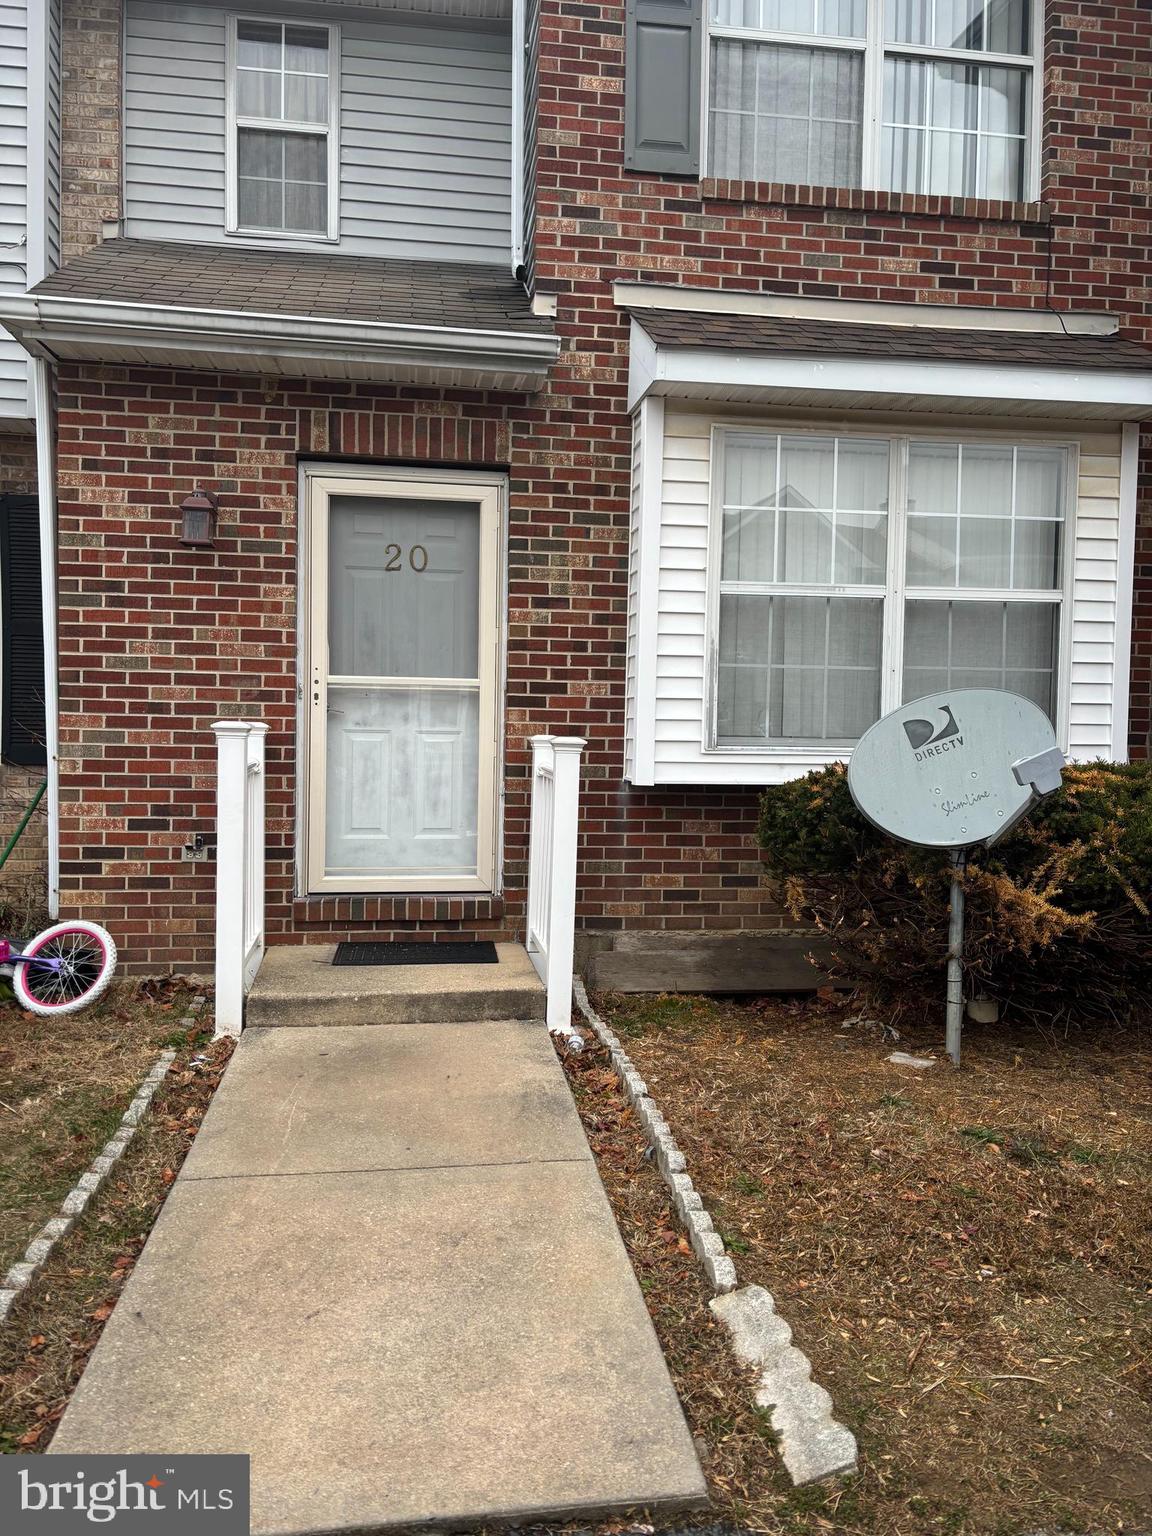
column 403, row 660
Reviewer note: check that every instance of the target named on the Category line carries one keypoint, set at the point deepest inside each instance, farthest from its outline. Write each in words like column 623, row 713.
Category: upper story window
column 282, row 151
column 853, row 574
column 928, row 96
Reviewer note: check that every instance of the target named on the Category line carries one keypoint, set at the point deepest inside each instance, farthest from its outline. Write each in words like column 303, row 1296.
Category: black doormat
column 472, row 952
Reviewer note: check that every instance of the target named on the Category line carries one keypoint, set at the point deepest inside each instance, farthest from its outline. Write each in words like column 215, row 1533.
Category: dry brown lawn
column 966, row 1256
column 64, row 1084
column 69, row 1081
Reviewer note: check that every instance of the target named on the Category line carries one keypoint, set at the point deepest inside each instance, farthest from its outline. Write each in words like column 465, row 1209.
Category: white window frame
column 873, row 49
column 235, row 121
column 895, row 593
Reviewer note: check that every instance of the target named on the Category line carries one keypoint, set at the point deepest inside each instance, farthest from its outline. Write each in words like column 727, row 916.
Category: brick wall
column 17, row 464
column 90, row 126
column 157, row 641
column 1087, row 245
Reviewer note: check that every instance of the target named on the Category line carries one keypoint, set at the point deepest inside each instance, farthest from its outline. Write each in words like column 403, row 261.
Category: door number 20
column 417, row 557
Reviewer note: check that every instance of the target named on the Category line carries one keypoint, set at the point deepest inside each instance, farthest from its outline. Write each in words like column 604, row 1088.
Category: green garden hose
column 27, row 817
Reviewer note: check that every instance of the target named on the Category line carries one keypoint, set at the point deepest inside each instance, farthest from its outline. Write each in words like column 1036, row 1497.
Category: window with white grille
column 856, row 573
column 930, row 96
column 282, row 108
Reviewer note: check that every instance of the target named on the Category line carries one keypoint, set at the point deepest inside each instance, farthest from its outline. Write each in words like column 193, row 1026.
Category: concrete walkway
column 388, row 1270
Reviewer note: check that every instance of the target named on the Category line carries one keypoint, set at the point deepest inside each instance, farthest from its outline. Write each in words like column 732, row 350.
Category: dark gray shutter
column 22, row 733
column 663, row 58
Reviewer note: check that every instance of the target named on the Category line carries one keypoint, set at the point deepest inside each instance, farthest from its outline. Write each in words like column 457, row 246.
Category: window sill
column 787, row 195
column 284, row 237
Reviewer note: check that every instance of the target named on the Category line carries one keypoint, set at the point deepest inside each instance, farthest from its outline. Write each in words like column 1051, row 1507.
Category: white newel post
column 239, row 866
column 553, row 836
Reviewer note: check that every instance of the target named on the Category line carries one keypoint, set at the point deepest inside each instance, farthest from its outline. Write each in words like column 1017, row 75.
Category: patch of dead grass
column 964, row 1256
column 64, row 1084
column 54, row 1325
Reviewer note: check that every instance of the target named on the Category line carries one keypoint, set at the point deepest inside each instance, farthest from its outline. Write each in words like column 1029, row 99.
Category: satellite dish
column 955, row 769
column 949, row 771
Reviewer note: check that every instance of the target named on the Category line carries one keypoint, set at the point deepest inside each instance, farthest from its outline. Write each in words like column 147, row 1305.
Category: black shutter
column 22, row 733
column 663, row 58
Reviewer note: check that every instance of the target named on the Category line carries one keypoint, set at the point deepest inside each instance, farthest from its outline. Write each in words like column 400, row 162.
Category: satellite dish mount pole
column 954, row 1016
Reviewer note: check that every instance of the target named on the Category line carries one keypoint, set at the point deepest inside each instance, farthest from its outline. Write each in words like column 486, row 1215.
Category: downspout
column 46, row 492
column 519, row 108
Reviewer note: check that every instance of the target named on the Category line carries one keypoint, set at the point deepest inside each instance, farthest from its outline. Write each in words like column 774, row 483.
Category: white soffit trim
column 714, row 301
column 74, row 328
column 873, row 383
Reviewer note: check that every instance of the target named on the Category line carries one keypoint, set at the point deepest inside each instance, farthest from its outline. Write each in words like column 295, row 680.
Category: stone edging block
column 40, row 1248
column 813, row 1445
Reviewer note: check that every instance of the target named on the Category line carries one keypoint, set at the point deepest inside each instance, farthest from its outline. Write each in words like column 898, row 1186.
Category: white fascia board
column 37, row 319
column 719, row 301
column 643, row 357
column 664, row 370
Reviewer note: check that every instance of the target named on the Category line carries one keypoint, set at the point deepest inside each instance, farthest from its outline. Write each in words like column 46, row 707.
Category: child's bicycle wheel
column 84, row 957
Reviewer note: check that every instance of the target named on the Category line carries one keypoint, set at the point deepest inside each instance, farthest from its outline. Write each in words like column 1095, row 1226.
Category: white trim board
column 715, row 301
column 701, row 373
column 291, row 345
column 1126, row 561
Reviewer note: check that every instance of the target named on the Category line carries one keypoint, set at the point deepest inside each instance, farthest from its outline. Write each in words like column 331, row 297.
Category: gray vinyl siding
column 425, row 133
column 13, row 195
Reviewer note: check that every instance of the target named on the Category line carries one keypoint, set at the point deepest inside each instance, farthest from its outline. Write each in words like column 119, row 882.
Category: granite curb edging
column 813, row 1444
column 39, row 1250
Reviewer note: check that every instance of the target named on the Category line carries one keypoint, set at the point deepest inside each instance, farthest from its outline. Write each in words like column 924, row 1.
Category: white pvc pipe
column 46, row 496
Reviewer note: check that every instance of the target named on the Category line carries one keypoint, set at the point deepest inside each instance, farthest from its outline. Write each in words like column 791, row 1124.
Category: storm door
column 403, row 683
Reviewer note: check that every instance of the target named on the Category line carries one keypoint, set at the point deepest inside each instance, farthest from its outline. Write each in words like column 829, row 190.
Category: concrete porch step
column 301, row 986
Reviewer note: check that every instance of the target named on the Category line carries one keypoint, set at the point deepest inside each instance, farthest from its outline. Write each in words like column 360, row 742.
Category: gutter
column 37, row 319
column 46, row 497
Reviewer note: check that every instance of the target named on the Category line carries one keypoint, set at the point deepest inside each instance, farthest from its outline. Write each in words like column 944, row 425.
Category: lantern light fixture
column 198, row 520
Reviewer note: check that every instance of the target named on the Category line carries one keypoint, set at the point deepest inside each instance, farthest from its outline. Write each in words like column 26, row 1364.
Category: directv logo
column 929, row 740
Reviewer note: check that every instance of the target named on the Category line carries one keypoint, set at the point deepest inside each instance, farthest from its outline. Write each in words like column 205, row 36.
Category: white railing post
column 553, row 835
column 239, row 866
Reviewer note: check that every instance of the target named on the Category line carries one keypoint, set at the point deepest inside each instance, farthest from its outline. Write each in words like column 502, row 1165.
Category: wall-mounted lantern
column 198, row 525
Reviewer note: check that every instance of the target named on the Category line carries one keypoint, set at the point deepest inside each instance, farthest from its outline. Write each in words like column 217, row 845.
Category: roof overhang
column 771, row 377
column 69, row 329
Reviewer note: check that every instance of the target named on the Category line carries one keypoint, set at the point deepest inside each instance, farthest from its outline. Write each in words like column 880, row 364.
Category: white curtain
column 783, row 113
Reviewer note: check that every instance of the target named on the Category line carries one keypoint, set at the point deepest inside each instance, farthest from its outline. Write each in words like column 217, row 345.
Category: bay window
column 930, row 96
column 282, row 129
column 856, row 573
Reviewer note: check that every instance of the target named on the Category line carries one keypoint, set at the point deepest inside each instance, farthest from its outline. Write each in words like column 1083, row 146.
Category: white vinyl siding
column 424, row 131
column 13, row 195
column 677, row 678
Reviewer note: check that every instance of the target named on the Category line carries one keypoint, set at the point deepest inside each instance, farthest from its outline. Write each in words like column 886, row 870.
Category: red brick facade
column 157, row 641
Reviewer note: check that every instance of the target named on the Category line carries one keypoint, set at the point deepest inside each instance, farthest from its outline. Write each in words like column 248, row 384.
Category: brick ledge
column 325, row 910
column 917, row 204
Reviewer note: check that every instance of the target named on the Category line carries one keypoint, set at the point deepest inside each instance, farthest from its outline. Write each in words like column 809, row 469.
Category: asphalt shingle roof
column 460, row 295
column 772, row 333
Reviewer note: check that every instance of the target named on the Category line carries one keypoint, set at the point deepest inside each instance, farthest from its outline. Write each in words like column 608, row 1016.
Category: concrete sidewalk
column 388, row 1270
